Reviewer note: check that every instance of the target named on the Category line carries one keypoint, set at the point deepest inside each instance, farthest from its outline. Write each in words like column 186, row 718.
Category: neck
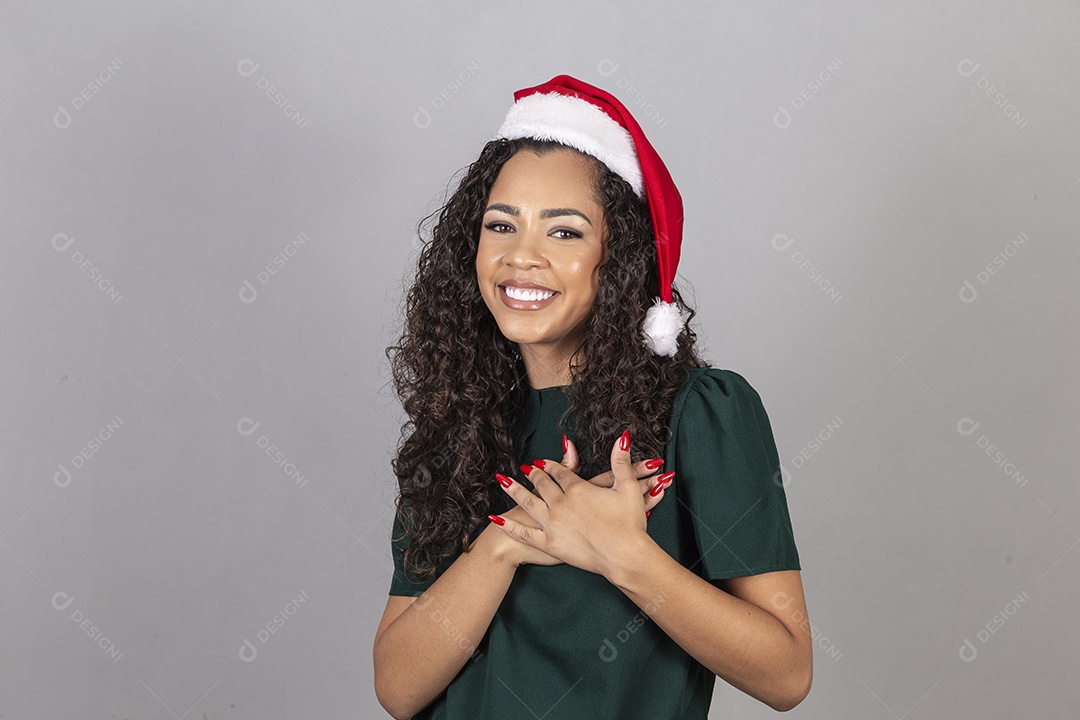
column 546, row 365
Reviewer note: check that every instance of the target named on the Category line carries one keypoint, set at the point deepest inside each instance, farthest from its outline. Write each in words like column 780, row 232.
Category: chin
column 515, row 333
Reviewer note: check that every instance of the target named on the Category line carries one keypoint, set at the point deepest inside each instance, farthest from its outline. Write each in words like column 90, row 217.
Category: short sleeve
column 728, row 474
column 401, row 583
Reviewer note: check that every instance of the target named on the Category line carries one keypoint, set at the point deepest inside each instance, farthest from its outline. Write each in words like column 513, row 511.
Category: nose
column 527, row 249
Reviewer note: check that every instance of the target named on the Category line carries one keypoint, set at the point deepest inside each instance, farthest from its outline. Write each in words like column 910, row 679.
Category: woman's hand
column 520, row 553
column 582, row 523
column 524, row 554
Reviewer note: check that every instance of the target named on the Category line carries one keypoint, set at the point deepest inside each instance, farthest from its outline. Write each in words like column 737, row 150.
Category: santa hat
column 593, row 121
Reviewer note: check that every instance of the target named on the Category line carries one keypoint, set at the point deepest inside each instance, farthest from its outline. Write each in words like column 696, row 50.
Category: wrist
column 629, row 559
column 498, row 546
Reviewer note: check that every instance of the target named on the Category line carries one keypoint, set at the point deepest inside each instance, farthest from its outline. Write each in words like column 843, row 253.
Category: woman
column 566, row 588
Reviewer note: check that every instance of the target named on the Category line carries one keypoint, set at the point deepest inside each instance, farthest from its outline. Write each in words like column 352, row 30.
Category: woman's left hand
column 582, row 524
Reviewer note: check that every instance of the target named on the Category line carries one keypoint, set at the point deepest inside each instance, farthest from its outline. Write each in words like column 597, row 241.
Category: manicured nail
column 505, row 481
column 666, row 477
column 657, row 489
column 496, row 519
column 646, row 513
column 565, row 447
column 539, row 463
column 654, row 463
column 526, row 469
column 624, row 440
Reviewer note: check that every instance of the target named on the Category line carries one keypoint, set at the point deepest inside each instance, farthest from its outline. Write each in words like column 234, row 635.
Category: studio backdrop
column 209, row 218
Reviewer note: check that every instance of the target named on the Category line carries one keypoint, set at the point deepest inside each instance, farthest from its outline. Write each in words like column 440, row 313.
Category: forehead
column 562, row 173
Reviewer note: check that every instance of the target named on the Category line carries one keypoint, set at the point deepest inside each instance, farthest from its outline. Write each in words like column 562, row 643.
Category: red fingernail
column 496, row 519
column 539, row 463
column 646, row 513
column 505, row 481
column 624, row 440
column 565, row 447
column 656, row 489
column 526, row 469
column 666, row 477
column 654, row 463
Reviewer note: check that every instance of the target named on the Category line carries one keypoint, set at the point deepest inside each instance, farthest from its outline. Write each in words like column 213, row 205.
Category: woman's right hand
column 522, row 554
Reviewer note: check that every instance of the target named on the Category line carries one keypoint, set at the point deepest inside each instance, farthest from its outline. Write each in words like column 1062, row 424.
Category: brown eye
column 492, row 225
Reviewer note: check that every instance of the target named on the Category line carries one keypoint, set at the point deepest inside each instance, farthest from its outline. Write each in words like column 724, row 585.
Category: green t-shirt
column 565, row 643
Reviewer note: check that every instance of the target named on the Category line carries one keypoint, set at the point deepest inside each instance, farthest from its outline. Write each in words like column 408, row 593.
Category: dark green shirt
column 565, row 643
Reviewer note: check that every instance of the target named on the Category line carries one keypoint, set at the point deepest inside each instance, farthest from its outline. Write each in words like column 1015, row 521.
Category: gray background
column 148, row 179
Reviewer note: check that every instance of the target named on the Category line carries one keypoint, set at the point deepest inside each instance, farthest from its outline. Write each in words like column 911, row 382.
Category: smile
column 525, row 299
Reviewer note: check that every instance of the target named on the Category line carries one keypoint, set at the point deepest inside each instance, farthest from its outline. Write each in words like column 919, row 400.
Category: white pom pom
column 663, row 323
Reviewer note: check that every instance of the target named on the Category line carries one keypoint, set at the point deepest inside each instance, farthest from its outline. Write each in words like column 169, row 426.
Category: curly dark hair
column 463, row 384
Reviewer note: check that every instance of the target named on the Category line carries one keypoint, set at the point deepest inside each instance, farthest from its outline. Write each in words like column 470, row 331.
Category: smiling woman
column 544, row 332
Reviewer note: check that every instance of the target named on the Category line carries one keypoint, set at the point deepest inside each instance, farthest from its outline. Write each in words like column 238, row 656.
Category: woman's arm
column 752, row 636
column 418, row 654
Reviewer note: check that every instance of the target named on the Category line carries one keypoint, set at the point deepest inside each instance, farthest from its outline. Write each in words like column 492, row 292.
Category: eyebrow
column 544, row 214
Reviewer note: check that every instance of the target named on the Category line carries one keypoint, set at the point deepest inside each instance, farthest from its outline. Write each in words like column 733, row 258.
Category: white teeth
column 526, row 294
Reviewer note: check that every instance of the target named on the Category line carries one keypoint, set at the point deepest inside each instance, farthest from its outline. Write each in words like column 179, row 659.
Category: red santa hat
column 593, row 121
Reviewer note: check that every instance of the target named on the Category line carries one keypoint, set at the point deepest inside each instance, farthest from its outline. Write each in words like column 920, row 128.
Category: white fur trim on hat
column 663, row 323
column 579, row 124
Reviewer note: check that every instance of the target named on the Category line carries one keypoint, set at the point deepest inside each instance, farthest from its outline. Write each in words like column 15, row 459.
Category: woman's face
column 542, row 226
